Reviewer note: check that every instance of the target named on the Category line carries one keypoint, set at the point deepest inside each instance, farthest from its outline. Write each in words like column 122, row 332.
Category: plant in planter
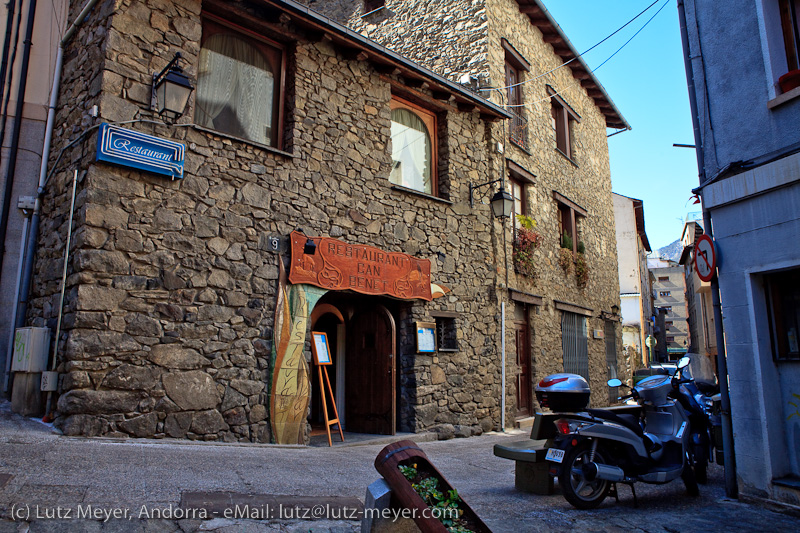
column 581, row 270
column 444, row 503
column 565, row 260
column 526, row 242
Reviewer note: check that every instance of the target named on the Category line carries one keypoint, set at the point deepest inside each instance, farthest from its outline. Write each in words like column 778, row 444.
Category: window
column 575, row 344
column 664, row 294
column 516, row 65
column 668, row 323
column 239, row 83
column 372, row 5
column 670, row 338
column 570, row 214
column 667, row 309
column 663, row 278
column 791, row 32
column 783, row 301
column 413, row 141
column 563, row 119
column 519, row 194
column 446, row 337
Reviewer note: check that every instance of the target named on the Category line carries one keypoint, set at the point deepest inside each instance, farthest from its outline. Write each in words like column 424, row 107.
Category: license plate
column 555, row 455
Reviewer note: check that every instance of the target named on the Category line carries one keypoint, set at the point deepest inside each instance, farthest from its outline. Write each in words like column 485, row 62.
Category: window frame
column 775, row 290
column 568, row 216
column 515, row 66
column 563, row 120
column 664, row 294
column 274, row 52
column 518, row 185
column 790, row 30
column 430, row 120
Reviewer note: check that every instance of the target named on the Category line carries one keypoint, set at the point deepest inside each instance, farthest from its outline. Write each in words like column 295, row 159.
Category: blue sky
column 647, row 82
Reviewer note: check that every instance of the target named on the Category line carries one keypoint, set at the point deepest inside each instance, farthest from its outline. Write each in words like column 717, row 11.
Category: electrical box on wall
column 30, row 350
column 598, row 334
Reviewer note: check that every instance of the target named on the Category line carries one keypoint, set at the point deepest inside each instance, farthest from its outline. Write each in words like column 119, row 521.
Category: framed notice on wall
column 319, row 346
column 426, row 337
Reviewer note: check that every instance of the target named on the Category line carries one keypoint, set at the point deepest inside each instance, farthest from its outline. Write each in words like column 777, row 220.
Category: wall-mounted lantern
column 171, row 90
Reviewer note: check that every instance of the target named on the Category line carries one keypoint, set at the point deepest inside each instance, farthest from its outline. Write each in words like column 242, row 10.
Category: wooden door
column 524, row 396
column 370, row 372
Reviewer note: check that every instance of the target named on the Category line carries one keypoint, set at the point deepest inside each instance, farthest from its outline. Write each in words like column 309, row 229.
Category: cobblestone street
column 42, row 472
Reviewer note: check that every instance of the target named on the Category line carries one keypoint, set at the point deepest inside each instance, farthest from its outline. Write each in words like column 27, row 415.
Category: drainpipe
column 503, row 359
column 731, row 487
column 11, row 6
column 13, row 149
column 30, row 255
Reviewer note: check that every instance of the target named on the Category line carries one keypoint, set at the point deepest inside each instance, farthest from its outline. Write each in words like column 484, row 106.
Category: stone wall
column 171, row 290
column 460, row 37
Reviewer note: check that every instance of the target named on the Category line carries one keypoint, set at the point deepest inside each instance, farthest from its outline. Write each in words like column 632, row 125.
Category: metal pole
column 503, row 362
column 731, row 487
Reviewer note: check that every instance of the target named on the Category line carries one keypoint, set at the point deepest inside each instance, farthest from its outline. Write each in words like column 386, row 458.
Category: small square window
column 446, row 334
column 663, row 278
column 668, row 323
column 670, row 338
column 664, row 294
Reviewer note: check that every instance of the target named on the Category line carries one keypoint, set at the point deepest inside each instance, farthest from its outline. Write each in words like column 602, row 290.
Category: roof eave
column 555, row 36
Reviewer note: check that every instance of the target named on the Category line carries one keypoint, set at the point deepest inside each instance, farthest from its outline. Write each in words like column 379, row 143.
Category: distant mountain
column 671, row 251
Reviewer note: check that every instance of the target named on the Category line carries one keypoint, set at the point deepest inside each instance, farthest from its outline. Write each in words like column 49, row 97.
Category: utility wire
column 601, row 64
column 588, row 50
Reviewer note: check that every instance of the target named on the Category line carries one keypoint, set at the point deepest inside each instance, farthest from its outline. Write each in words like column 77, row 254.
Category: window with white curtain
column 413, row 141
column 238, row 85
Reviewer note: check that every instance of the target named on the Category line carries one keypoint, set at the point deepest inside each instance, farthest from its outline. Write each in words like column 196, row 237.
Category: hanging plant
column 581, row 270
column 566, row 241
column 565, row 260
column 526, row 242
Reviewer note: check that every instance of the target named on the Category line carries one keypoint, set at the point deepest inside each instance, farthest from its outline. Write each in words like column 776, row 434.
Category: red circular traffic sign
column 705, row 258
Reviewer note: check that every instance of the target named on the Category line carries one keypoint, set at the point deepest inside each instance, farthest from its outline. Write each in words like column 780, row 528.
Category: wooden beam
column 467, row 107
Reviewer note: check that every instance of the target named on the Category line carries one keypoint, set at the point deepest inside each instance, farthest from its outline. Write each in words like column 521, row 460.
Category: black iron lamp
column 171, row 90
column 502, row 203
column 310, row 247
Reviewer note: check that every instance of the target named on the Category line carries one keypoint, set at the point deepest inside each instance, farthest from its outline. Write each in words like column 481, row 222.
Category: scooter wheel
column 689, row 481
column 577, row 490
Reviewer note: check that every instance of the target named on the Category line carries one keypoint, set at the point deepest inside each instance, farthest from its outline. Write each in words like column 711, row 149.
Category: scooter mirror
column 683, row 363
column 614, row 383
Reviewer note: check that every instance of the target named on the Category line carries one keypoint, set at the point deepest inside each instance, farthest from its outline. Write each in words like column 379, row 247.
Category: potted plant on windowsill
column 789, row 81
column 581, row 266
column 565, row 257
column 525, row 243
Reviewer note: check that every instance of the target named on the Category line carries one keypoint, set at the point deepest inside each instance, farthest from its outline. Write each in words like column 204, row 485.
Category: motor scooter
column 697, row 399
column 596, row 449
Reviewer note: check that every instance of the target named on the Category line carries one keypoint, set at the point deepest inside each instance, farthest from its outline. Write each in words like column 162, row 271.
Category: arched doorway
column 362, row 338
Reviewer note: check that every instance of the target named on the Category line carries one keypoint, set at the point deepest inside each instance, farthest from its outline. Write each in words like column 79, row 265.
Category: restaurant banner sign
column 138, row 150
column 336, row 265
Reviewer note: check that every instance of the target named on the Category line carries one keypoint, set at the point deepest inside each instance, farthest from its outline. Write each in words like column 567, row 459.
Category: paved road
column 41, row 468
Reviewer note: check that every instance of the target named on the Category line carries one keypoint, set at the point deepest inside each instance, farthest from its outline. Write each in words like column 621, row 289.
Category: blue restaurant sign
column 140, row 151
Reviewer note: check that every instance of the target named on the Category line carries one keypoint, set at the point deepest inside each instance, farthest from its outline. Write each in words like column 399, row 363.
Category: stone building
column 183, row 316
column 562, row 291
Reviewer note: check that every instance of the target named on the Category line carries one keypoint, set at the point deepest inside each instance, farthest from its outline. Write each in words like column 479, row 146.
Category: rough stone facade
column 170, row 298
column 458, row 37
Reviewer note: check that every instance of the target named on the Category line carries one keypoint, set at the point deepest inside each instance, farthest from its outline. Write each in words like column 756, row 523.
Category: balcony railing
column 518, row 129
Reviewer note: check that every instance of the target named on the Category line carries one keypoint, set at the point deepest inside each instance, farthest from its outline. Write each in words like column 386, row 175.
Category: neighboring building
column 555, row 152
column 702, row 332
column 749, row 159
column 669, row 291
column 28, row 64
column 636, row 292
